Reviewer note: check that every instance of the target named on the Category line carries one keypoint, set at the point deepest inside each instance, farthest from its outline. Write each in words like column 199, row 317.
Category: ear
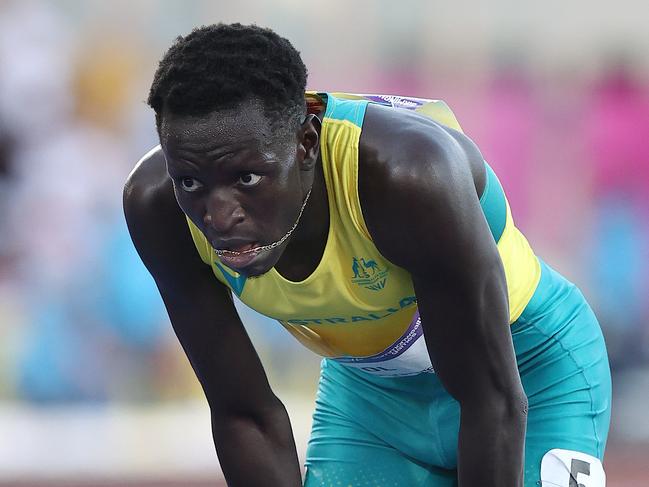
column 309, row 136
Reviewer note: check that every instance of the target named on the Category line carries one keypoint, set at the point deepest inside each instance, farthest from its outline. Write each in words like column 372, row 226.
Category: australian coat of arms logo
column 368, row 274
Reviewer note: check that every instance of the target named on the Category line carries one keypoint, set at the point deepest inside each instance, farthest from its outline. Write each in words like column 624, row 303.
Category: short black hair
column 217, row 67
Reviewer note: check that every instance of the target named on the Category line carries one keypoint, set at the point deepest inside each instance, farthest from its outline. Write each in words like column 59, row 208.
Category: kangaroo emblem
column 370, row 264
column 358, row 270
column 374, row 280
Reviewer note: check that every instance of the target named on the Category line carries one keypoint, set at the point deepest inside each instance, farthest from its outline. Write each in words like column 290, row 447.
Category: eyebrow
column 219, row 153
column 216, row 152
column 183, row 162
column 213, row 155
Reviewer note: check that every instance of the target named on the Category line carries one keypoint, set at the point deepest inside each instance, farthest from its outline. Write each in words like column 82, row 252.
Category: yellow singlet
column 357, row 307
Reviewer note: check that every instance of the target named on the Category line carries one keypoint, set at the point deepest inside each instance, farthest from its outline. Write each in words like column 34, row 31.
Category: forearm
column 492, row 443
column 259, row 451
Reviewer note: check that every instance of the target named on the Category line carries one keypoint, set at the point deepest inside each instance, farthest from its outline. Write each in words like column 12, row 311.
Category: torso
column 344, row 299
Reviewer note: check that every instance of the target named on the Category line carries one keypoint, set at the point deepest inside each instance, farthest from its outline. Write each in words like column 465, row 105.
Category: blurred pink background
column 558, row 104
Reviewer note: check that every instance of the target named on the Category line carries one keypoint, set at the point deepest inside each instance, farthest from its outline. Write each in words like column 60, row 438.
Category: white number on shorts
column 578, row 467
column 566, row 468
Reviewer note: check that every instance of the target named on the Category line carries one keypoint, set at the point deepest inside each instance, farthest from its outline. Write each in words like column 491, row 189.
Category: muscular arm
column 250, row 426
column 432, row 225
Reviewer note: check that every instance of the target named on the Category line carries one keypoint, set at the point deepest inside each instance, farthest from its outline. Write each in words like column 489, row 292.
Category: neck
column 315, row 220
column 304, row 250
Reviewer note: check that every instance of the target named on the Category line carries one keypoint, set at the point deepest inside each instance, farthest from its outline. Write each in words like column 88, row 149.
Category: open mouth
column 251, row 248
column 238, row 258
column 239, row 250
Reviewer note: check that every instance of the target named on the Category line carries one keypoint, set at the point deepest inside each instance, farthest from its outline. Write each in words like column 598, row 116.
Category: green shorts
column 403, row 431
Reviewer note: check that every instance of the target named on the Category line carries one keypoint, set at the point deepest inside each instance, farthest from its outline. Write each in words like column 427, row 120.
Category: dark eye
column 190, row 184
column 249, row 179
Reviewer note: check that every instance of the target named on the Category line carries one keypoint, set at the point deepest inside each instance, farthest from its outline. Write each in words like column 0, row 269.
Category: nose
column 223, row 212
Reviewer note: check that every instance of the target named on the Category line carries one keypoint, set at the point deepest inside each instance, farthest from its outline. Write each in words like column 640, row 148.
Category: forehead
column 245, row 123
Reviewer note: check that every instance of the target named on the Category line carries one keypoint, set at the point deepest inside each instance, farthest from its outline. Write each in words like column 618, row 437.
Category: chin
column 254, row 273
column 260, row 266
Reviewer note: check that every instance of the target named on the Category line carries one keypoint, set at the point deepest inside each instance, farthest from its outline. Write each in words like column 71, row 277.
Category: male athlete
column 372, row 229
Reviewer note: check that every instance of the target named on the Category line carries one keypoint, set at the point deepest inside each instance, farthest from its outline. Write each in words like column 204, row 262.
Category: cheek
column 181, row 199
column 289, row 210
column 275, row 209
column 189, row 206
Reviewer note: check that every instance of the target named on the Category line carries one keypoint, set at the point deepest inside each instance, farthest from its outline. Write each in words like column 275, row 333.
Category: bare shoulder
column 401, row 142
column 419, row 177
column 148, row 197
column 157, row 225
column 148, row 180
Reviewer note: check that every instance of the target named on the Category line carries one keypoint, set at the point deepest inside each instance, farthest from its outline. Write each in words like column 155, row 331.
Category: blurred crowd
column 81, row 319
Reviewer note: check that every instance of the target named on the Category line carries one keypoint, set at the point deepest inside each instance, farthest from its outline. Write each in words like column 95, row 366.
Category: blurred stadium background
column 94, row 389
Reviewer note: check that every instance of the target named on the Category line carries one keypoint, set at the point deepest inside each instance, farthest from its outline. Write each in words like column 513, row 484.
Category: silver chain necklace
column 277, row 243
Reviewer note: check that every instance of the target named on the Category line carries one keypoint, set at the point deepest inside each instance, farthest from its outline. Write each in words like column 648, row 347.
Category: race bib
column 566, row 468
column 406, row 356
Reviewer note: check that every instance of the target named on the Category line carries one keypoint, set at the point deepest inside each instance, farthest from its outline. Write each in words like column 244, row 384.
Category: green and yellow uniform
column 382, row 416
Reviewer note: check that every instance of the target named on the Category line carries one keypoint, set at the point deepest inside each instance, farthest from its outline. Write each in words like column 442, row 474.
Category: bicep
column 454, row 262
column 467, row 335
column 463, row 301
column 200, row 308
